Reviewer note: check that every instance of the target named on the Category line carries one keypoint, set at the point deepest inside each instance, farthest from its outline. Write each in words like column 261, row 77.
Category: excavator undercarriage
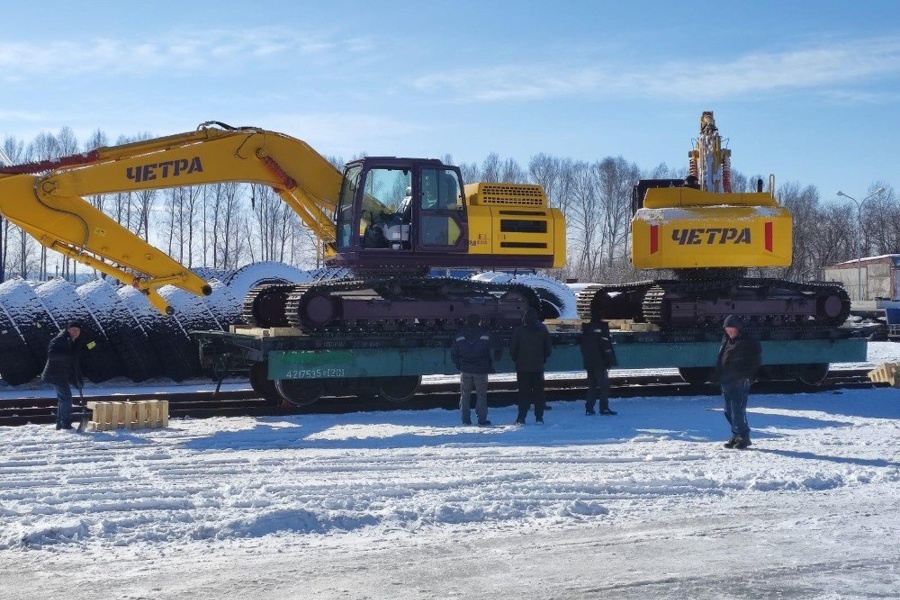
column 388, row 304
column 769, row 306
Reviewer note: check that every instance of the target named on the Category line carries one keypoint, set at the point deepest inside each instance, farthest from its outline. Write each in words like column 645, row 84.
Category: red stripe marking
column 769, row 237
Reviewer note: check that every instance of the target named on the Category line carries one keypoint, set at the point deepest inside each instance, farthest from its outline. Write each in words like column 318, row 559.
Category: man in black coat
column 471, row 354
column 63, row 367
column 739, row 359
column 530, row 348
column 598, row 356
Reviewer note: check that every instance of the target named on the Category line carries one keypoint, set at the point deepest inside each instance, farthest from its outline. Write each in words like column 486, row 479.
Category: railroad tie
column 142, row 414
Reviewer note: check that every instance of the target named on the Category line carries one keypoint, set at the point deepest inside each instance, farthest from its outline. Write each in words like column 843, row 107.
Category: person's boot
column 607, row 411
column 731, row 441
column 742, row 442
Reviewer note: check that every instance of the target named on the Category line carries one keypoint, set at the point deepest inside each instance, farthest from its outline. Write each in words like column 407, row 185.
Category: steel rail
column 203, row 404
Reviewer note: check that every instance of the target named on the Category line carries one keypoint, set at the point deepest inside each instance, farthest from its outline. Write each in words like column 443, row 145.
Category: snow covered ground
column 408, row 504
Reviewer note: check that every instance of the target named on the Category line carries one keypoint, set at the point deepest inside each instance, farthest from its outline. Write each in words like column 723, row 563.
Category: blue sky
column 808, row 91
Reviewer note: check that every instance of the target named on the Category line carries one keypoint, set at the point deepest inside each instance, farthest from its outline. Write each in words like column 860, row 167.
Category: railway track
column 22, row 411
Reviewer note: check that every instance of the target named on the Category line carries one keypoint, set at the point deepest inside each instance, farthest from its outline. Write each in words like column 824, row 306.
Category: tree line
column 227, row 225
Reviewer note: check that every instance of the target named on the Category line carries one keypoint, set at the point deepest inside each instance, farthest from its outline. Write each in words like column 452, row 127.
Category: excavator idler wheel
column 399, row 389
column 829, row 306
column 318, row 311
column 268, row 307
column 299, row 392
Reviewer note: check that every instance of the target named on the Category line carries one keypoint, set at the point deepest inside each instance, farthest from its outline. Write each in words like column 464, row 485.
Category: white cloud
column 210, row 50
column 756, row 72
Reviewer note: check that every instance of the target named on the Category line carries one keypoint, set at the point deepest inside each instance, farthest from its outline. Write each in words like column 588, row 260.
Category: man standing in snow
column 530, row 348
column 471, row 354
column 597, row 356
column 63, row 366
column 739, row 359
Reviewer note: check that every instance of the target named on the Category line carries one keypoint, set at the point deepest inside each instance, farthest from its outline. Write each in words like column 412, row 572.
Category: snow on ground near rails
column 408, row 504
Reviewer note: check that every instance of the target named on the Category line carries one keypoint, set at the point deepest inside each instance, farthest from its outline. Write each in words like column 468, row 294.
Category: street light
column 859, row 205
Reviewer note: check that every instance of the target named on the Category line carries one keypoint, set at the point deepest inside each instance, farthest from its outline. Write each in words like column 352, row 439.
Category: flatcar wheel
column 261, row 384
column 695, row 375
column 399, row 389
column 299, row 392
column 812, row 374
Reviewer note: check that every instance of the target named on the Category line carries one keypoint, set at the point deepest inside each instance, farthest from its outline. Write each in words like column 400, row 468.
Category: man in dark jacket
column 598, row 356
column 63, row 367
column 471, row 354
column 530, row 348
column 739, row 359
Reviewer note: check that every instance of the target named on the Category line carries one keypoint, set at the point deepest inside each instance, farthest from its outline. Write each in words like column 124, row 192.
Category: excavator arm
column 46, row 199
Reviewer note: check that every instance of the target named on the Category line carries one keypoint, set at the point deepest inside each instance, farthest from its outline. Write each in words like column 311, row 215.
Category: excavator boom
column 46, row 199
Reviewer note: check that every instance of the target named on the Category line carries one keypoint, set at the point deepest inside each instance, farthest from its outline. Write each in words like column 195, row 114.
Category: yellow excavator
column 708, row 236
column 388, row 219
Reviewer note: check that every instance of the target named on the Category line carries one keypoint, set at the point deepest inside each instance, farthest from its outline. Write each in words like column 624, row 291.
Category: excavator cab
column 401, row 213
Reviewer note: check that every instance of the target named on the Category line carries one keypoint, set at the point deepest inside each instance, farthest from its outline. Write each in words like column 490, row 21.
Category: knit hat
column 473, row 320
column 733, row 321
column 74, row 324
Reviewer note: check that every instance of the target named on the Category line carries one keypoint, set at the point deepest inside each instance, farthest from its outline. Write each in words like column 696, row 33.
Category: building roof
column 894, row 259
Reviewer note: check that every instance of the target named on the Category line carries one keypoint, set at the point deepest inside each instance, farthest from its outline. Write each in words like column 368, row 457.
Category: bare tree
column 615, row 179
column 14, row 149
column 225, row 213
column 471, row 173
column 881, row 220
column 833, row 235
column 803, row 204
column 584, row 222
column 491, row 168
column 268, row 226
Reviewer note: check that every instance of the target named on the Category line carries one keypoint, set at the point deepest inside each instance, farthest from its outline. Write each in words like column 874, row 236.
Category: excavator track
column 388, row 304
column 613, row 301
column 767, row 305
column 264, row 305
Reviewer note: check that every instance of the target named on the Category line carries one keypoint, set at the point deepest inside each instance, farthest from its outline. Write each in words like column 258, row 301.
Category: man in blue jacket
column 739, row 359
column 471, row 354
column 530, row 348
column 63, row 366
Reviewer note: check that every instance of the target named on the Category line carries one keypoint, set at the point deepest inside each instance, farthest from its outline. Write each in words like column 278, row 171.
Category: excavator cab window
column 384, row 216
column 344, row 213
column 439, row 219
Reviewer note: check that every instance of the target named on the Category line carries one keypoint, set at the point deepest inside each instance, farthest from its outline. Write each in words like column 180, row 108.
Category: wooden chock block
column 886, row 373
column 141, row 414
column 128, row 415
